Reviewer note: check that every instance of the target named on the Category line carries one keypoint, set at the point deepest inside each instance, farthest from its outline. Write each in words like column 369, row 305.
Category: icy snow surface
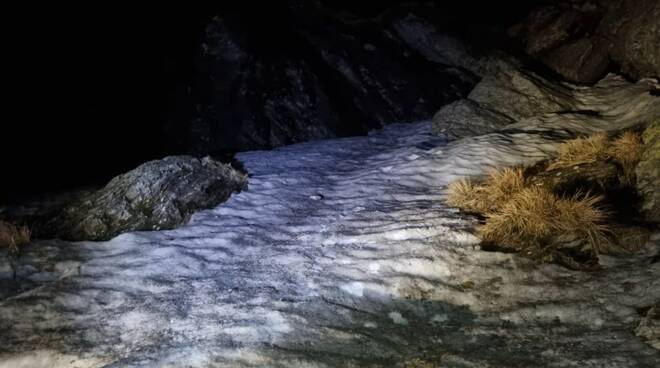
column 340, row 254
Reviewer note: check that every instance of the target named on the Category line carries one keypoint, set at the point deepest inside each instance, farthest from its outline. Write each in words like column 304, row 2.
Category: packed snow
column 340, row 254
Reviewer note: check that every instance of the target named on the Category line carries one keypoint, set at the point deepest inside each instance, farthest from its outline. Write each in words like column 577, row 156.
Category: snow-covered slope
column 340, row 254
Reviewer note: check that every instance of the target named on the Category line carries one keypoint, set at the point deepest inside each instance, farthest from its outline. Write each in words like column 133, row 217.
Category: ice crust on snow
column 340, row 253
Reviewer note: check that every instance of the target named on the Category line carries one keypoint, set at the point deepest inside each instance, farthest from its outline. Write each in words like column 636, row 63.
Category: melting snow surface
column 340, row 254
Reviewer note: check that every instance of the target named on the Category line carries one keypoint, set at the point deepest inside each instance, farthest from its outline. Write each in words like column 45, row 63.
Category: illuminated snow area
column 341, row 253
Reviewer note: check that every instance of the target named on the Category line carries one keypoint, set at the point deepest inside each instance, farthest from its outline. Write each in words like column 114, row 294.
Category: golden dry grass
column 627, row 149
column 13, row 237
column 489, row 195
column 535, row 218
column 501, row 185
column 464, row 194
column 582, row 150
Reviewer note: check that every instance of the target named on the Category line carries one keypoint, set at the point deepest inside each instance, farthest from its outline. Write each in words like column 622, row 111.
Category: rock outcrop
column 464, row 118
column 509, row 94
column 648, row 172
column 159, row 194
column 578, row 39
column 512, row 93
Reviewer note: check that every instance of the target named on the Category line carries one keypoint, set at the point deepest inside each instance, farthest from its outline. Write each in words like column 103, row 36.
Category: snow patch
column 49, row 359
column 274, row 277
column 397, row 318
column 354, row 288
column 439, row 318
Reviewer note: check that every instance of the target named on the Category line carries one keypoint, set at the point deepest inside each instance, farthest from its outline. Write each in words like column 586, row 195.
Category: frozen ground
column 341, row 254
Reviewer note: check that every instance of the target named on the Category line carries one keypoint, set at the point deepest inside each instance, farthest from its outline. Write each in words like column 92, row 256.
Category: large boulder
column 584, row 60
column 562, row 36
column 632, row 28
column 160, row 194
column 578, row 39
column 464, row 118
column 510, row 93
column 648, row 172
column 518, row 93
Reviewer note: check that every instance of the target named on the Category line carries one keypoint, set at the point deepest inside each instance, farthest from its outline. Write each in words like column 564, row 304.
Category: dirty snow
column 340, row 254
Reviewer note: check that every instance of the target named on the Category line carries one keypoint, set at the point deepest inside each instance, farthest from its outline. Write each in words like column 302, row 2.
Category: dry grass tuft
column 627, row 149
column 582, row 217
column 464, row 194
column 489, row 195
column 13, row 237
column 582, row 150
column 539, row 220
column 535, row 220
column 501, row 185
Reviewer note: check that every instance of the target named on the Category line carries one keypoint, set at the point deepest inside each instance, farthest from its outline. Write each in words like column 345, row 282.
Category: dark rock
column 578, row 39
column 548, row 26
column 255, row 101
column 584, row 60
column 632, row 28
column 518, row 94
column 424, row 37
column 509, row 94
column 317, row 73
column 160, row 194
column 464, row 118
column 562, row 37
column 648, row 172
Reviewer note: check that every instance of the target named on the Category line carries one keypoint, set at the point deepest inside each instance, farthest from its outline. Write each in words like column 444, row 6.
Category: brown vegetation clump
column 13, row 237
column 501, row 185
column 535, row 220
column 627, row 150
column 465, row 195
column 489, row 195
column 543, row 211
column 582, row 150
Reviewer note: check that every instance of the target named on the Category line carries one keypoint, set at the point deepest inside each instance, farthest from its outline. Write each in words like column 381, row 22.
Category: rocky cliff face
column 304, row 71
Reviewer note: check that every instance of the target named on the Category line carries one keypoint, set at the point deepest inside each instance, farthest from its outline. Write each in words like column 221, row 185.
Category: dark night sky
column 90, row 92
column 90, row 88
